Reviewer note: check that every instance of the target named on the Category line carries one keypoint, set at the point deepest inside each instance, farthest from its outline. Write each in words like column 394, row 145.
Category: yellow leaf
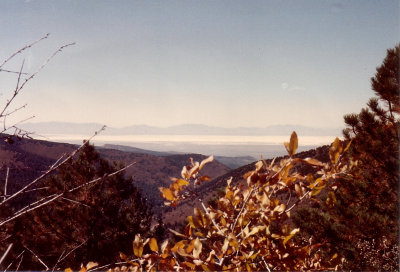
column 254, row 231
column 348, row 145
column 316, row 191
column 313, row 162
column 280, row 208
column 83, row 269
column 204, row 178
column 179, row 245
column 333, row 257
column 259, row 166
column 177, row 233
column 335, row 150
column 138, row 246
column 292, row 233
column 185, row 173
column 225, row 246
column 164, row 246
column 153, row 245
column 197, row 248
column 203, row 162
column 291, row 147
column 91, row 265
column 193, row 170
column 123, row 256
column 68, row 270
column 182, row 182
column 190, row 265
column 191, row 222
column 190, row 247
column 297, row 189
column 166, row 193
column 198, row 215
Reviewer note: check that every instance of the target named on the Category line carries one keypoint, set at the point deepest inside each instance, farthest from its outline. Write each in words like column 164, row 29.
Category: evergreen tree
column 99, row 220
column 361, row 224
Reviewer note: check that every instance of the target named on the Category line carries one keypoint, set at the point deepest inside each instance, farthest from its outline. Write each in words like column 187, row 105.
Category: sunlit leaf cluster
column 250, row 228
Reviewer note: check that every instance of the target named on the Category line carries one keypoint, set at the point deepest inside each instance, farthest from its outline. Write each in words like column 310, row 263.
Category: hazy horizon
column 218, row 145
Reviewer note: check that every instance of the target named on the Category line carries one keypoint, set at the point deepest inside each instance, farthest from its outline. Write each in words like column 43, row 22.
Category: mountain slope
column 28, row 159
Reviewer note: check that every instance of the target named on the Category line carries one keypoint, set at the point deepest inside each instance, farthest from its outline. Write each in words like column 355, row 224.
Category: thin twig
column 14, row 260
column 18, row 214
column 24, row 48
column 241, row 210
column 20, row 261
column 51, row 169
column 54, row 267
column 6, row 253
column 43, row 65
column 6, row 181
column 53, row 197
column 266, row 265
column 107, row 265
column 20, row 87
column 37, row 257
column 101, row 178
column 76, row 202
column 15, row 110
column 37, row 189
column 251, row 192
column 209, row 216
column 12, row 72
column 19, row 75
column 75, row 248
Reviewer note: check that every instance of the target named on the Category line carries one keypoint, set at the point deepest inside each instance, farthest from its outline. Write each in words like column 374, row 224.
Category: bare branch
column 69, row 253
column 209, row 216
column 76, row 202
column 24, row 48
column 5, row 183
column 43, row 65
column 12, row 72
column 19, row 88
column 6, row 253
column 20, row 261
column 19, row 75
column 26, row 209
column 244, row 204
column 37, row 257
column 14, row 260
column 51, row 169
column 48, row 199
column 54, row 267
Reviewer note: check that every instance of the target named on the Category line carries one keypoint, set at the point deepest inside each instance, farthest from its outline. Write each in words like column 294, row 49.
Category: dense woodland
column 335, row 208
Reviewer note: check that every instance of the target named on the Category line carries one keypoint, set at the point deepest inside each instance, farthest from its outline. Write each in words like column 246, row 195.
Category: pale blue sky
column 220, row 63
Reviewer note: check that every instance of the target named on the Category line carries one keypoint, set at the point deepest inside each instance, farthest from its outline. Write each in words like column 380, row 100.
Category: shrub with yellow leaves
column 250, row 229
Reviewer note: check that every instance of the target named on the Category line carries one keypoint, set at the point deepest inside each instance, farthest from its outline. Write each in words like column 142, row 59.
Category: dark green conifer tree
column 98, row 221
column 362, row 224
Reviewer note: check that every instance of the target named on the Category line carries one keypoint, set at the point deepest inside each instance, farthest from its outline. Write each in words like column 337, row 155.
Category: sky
column 218, row 63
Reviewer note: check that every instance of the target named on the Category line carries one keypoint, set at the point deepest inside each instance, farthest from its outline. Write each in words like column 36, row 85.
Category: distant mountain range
column 186, row 129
